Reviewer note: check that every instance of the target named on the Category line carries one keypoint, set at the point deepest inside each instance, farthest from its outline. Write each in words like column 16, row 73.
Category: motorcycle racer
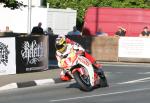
column 63, row 46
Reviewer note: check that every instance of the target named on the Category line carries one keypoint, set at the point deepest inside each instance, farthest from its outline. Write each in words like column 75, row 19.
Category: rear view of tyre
column 103, row 81
column 83, row 81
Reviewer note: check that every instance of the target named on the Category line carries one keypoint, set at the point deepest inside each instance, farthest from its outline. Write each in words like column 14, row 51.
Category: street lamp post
column 29, row 16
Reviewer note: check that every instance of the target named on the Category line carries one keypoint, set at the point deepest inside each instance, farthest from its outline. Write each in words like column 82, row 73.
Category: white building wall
column 17, row 19
column 60, row 20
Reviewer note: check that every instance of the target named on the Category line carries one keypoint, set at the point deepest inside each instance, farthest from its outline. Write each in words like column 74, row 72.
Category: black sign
column 31, row 53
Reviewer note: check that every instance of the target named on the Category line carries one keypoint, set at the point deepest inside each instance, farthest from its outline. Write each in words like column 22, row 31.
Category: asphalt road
column 127, row 85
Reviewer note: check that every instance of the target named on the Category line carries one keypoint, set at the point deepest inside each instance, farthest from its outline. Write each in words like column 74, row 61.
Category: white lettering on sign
column 32, row 52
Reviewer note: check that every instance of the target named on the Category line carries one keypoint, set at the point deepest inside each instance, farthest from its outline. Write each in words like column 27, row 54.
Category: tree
column 12, row 4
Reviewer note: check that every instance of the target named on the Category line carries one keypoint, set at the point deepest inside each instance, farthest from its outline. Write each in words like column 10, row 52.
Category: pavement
column 50, row 76
column 22, row 80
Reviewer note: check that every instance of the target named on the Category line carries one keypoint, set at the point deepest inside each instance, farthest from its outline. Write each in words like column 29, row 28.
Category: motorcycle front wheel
column 83, row 81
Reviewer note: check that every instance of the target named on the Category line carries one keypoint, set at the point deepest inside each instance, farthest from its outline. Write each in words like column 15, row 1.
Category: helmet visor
column 59, row 47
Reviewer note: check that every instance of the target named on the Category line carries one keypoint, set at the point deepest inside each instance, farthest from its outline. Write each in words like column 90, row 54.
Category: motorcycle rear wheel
column 103, row 81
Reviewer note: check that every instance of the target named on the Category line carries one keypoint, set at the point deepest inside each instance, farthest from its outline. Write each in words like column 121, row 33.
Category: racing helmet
column 60, row 44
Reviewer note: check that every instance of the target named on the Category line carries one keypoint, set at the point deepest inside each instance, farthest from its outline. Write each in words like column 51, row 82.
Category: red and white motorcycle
column 81, row 69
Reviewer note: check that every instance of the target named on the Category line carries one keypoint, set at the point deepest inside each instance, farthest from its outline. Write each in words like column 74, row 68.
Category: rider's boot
column 65, row 76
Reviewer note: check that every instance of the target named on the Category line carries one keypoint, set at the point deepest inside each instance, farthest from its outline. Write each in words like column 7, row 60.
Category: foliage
column 12, row 4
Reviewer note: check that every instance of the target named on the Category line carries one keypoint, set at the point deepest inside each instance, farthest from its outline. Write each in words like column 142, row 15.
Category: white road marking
column 99, row 95
column 144, row 73
column 135, row 81
column 128, row 65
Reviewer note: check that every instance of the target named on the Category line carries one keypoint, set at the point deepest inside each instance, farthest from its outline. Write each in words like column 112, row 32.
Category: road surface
column 128, row 84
